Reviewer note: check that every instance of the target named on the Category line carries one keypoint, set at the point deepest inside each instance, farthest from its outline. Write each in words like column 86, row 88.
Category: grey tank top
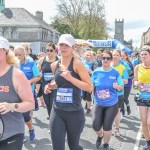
column 13, row 121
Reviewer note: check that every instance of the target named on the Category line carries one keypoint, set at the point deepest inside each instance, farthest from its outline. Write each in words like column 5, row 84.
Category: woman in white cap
column 67, row 115
column 14, row 99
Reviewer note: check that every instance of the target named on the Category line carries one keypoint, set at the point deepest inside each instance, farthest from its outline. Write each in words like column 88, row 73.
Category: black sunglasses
column 108, row 58
column 51, row 50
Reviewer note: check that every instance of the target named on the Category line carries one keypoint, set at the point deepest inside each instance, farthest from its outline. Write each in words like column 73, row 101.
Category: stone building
column 20, row 26
column 119, row 33
column 145, row 39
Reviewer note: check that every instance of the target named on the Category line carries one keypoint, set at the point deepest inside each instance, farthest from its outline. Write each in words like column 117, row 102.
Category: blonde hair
column 11, row 59
column 27, row 48
column 75, row 54
column 20, row 48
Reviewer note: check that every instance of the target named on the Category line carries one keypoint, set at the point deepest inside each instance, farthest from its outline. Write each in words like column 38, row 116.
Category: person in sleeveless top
column 47, row 75
column 142, row 81
column 67, row 115
column 14, row 99
column 39, row 84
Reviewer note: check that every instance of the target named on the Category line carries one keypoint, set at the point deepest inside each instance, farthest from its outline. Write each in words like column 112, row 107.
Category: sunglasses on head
column 108, row 58
column 51, row 50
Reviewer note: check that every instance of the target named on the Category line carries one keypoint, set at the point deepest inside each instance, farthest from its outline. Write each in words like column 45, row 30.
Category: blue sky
column 135, row 14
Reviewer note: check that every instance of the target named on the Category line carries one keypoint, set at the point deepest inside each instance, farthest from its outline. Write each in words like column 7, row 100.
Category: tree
column 60, row 26
column 85, row 18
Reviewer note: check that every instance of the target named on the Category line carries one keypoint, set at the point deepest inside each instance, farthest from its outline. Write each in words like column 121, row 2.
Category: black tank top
column 13, row 121
column 46, row 70
column 63, row 83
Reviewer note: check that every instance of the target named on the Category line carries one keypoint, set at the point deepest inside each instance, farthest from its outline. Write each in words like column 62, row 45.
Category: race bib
column 64, row 95
column 48, row 77
column 103, row 94
column 145, row 88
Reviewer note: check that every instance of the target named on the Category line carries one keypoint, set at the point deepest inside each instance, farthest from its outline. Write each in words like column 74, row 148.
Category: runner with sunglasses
column 47, row 75
column 106, row 81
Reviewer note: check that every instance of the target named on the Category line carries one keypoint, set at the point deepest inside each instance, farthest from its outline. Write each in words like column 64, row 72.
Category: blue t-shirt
column 135, row 61
column 88, row 65
column 129, row 68
column 30, row 70
column 104, row 93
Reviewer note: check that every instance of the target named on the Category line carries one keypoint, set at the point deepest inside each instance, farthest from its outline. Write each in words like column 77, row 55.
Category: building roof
column 21, row 17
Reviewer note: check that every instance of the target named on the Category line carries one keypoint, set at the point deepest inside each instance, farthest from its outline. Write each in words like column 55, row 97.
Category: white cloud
column 135, row 14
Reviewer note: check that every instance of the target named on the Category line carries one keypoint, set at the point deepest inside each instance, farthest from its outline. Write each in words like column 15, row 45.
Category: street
column 129, row 140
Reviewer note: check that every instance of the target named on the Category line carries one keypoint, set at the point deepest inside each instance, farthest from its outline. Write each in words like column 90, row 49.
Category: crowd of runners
column 60, row 79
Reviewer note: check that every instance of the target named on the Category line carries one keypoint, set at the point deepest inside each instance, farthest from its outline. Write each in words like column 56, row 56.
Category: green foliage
column 60, row 27
column 84, row 19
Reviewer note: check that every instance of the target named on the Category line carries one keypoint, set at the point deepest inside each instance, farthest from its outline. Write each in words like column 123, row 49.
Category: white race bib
column 64, row 95
column 48, row 77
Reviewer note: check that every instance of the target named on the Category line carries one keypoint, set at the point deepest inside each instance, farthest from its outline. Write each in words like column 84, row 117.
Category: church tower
column 119, row 30
column 2, row 4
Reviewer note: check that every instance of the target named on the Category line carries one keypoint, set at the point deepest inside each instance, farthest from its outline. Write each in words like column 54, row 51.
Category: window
column 5, row 33
column 14, row 33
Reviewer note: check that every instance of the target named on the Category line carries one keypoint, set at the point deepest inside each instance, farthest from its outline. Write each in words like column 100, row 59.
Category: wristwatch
column 15, row 107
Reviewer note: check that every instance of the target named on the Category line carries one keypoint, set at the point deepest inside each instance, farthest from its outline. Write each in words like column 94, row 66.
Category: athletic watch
column 15, row 107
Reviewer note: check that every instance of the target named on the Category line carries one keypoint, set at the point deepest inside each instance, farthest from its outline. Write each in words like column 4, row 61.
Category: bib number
column 103, row 94
column 64, row 95
column 145, row 88
column 48, row 77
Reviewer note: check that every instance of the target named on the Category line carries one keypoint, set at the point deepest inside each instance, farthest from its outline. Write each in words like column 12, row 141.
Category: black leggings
column 66, row 122
column 103, row 116
column 48, row 98
column 13, row 143
column 127, row 91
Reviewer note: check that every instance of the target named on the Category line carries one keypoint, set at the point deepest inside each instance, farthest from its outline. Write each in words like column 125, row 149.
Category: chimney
column 39, row 15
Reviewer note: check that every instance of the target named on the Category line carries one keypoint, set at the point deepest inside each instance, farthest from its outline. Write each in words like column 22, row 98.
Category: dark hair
column 52, row 45
column 117, row 50
column 108, row 52
column 11, row 46
column 128, row 59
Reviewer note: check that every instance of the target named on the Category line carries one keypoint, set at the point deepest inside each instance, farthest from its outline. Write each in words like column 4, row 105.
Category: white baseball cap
column 4, row 43
column 67, row 39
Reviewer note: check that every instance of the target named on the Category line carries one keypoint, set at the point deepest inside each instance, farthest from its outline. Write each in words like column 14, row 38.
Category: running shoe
column 116, row 133
column 32, row 134
column 24, row 139
column 98, row 142
column 146, row 146
column 106, row 146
